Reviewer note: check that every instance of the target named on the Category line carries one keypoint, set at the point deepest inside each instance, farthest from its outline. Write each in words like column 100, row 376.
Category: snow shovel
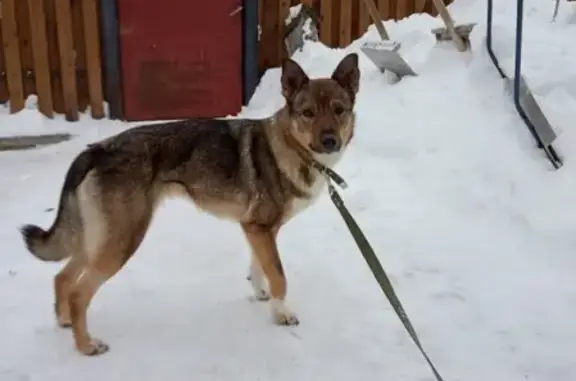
column 459, row 34
column 297, row 31
column 384, row 54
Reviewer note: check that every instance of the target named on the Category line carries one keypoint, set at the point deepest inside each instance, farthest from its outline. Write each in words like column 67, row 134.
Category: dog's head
column 322, row 110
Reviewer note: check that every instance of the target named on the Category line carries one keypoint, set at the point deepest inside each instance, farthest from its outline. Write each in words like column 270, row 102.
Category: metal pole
column 489, row 18
column 112, row 58
column 518, row 58
column 250, row 46
column 548, row 149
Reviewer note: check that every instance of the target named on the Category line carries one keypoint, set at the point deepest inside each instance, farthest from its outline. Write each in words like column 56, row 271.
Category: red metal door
column 181, row 58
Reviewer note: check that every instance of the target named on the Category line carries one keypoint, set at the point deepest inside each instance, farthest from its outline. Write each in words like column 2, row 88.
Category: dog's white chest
column 300, row 204
column 318, row 186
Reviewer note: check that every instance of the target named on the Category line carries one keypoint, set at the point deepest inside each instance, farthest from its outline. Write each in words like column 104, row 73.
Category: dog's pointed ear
column 293, row 78
column 347, row 74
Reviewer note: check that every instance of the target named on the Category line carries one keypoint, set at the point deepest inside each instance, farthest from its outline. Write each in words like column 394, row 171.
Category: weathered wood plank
column 364, row 18
column 326, row 12
column 401, row 9
column 67, row 58
column 419, row 6
column 93, row 59
column 12, row 57
column 283, row 12
column 270, row 34
column 40, row 53
column 345, row 22
column 385, row 9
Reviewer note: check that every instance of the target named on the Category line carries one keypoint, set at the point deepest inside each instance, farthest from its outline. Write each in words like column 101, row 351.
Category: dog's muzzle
column 330, row 142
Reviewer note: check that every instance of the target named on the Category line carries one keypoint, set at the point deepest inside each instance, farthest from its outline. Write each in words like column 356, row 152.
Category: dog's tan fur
column 255, row 172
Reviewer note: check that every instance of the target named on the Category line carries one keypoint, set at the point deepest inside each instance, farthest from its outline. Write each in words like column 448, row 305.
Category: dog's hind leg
column 114, row 253
column 263, row 242
column 115, row 222
column 62, row 283
column 80, row 297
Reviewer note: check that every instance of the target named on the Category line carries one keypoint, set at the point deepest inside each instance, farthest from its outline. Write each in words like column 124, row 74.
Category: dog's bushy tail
column 65, row 234
column 38, row 243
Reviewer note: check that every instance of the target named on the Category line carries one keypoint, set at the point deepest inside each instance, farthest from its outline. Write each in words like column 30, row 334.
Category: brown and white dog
column 255, row 172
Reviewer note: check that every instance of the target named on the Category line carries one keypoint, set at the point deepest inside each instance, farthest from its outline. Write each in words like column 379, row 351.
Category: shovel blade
column 384, row 54
column 528, row 103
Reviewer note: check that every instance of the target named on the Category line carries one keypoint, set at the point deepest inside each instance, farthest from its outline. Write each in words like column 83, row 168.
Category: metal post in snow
column 524, row 101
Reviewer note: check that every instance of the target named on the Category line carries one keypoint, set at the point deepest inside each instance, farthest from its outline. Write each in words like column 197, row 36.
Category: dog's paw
column 258, row 284
column 249, row 274
column 62, row 314
column 63, row 322
column 260, row 295
column 286, row 319
column 282, row 315
column 94, row 347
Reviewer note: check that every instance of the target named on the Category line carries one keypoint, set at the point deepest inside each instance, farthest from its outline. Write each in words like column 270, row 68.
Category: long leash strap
column 372, row 260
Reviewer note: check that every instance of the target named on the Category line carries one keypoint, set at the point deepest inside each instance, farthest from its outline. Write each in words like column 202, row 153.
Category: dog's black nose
column 329, row 142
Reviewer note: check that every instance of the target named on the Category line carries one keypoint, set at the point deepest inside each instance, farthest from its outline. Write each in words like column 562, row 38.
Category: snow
column 292, row 13
column 470, row 220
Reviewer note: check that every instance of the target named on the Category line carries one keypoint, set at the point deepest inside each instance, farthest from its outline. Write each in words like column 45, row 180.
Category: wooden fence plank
column 283, row 12
column 79, row 55
column 269, row 38
column 40, row 52
column 3, row 87
column 411, row 8
column 419, row 6
column 12, row 55
column 355, row 18
column 401, row 9
column 364, row 18
column 93, row 60
column 53, row 56
column 345, row 23
column 26, row 55
column 326, row 13
column 67, row 58
column 385, row 8
column 336, row 14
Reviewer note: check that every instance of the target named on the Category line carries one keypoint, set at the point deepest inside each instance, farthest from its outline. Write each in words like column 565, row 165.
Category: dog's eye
column 338, row 110
column 308, row 113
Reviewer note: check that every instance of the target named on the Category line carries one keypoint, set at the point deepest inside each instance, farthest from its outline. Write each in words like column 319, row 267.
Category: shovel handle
column 376, row 18
column 445, row 15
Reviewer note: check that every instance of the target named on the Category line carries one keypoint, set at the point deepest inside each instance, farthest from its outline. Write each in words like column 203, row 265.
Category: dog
column 257, row 172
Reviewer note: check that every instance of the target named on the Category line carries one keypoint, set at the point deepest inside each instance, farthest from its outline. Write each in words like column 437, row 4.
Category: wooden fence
column 342, row 21
column 52, row 48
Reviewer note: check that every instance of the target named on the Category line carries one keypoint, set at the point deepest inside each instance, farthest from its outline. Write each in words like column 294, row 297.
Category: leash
column 370, row 257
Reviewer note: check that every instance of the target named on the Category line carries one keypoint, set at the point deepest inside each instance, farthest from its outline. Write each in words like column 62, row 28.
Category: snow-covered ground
column 473, row 224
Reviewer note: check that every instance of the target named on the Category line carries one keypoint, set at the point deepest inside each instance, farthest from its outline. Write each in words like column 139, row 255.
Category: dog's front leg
column 263, row 242
column 256, row 278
